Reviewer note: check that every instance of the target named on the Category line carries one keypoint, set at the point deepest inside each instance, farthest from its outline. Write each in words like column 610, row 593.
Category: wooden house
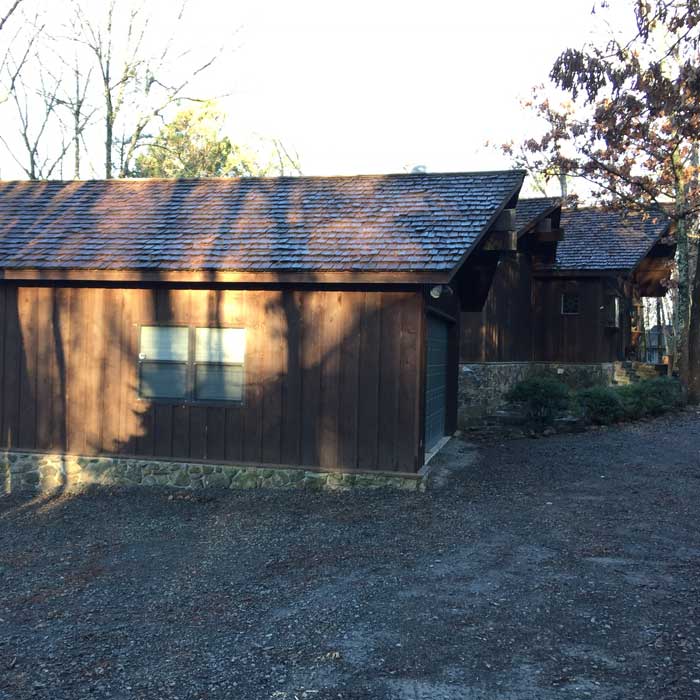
column 501, row 331
column 587, row 299
column 304, row 321
column 572, row 292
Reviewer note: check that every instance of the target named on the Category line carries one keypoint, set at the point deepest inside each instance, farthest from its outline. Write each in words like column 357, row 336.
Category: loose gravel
column 564, row 567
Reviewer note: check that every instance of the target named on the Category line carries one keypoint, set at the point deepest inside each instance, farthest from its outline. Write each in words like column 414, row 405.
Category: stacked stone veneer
column 22, row 471
column 483, row 385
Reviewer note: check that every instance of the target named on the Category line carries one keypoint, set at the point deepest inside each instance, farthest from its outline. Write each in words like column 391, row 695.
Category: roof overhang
column 607, row 272
column 653, row 272
column 226, row 277
column 509, row 202
column 652, row 275
column 532, row 225
column 35, row 257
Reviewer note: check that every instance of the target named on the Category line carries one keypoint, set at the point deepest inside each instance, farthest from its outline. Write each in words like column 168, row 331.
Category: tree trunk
column 76, row 146
column 109, row 122
column 563, row 185
column 108, row 147
column 693, row 346
column 682, row 314
column 76, row 126
column 663, row 347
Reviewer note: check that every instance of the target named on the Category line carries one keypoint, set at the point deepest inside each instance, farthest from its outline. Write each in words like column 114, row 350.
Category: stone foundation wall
column 22, row 471
column 483, row 385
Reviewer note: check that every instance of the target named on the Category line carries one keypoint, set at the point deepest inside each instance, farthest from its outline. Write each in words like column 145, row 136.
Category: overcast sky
column 375, row 86
column 378, row 85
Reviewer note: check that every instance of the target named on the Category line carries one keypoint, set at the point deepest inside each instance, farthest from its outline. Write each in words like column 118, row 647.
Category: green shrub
column 651, row 397
column 541, row 397
column 601, row 405
column 668, row 389
column 631, row 397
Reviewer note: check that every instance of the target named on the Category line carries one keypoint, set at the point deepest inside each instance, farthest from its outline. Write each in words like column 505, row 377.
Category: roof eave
column 202, row 277
column 664, row 233
column 531, row 224
column 582, row 272
column 514, row 192
column 603, row 271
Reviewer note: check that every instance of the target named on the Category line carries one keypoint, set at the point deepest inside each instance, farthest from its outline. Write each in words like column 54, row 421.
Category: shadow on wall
column 331, row 377
column 501, row 331
column 319, row 368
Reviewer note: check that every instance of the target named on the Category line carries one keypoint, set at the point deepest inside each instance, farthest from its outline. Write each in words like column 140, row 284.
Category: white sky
column 373, row 86
column 377, row 86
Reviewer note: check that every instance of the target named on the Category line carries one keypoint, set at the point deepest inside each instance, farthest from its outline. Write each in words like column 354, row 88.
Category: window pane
column 163, row 380
column 569, row 303
column 219, row 382
column 164, row 343
column 612, row 312
column 220, row 345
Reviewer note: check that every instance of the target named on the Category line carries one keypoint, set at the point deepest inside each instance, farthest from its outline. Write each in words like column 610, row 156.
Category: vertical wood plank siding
column 332, row 377
column 522, row 321
column 500, row 332
column 581, row 337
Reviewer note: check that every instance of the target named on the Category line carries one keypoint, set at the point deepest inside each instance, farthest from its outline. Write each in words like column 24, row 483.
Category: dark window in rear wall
column 191, row 364
column 569, row 303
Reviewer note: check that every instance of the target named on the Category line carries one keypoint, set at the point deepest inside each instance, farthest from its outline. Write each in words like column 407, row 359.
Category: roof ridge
column 611, row 210
column 448, row 173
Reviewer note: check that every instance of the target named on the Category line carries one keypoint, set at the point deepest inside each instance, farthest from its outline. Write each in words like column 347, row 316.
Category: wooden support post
column 505, row 221
column 504, row 241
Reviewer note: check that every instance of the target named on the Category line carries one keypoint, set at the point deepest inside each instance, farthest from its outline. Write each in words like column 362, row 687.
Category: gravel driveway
column 564, row 567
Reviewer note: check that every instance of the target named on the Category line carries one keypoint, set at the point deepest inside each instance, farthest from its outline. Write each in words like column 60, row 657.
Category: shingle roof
column 530, row 210
column 358, row 223
column 598, row 239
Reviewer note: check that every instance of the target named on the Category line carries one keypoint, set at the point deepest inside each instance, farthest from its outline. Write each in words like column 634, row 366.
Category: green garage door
column 436, row 382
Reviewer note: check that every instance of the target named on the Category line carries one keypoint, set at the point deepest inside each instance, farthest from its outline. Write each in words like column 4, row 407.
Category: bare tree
column 100, row 41
column 38, row 125
column 74, row 101
column 131, row 76
column 288, row 163
column 38, row 94
column 17, row 51
column 95, row 84
column 8, row 13
column 81, row 118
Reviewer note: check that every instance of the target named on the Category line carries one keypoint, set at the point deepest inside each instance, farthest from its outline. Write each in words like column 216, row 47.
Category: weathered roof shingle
column 358, row 223
column 529, row 211
column 598, row 239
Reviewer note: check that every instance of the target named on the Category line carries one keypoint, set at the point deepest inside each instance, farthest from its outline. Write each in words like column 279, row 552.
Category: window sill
column 190, row 404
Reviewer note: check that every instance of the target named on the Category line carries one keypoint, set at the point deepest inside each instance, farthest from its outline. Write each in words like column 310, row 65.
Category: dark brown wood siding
column 581, row 337
column 500, row 332
column 332, row 377
column 522, row 320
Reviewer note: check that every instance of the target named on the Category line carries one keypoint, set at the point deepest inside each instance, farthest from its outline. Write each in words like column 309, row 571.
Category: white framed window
column 570, row 303
column 163, row 360
column 192, row 364
column 218, row 364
